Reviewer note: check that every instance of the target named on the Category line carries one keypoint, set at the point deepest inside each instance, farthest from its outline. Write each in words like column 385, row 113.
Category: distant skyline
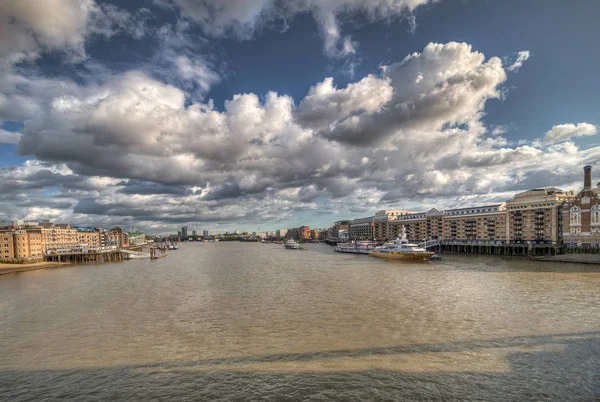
column 229, row 115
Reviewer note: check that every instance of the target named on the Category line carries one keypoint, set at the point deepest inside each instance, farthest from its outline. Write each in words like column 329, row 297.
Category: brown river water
column 244, row 321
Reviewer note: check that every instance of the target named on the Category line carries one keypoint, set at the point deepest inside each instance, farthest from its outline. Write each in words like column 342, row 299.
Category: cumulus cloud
column 242, row 18
column 30, row 27
column 563, row 132
column 134, row 148
column 522, row 57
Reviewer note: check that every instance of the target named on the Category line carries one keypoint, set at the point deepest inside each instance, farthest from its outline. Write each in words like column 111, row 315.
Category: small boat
column 435, row 257
column 356, row 247
column 291, row 245
column 401, row 249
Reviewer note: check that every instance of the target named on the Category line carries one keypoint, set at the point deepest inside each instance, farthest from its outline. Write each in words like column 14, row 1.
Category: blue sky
column 234, row 115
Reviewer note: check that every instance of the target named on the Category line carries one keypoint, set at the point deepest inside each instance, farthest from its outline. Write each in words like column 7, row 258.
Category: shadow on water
column 486, row 263
column 569, row 372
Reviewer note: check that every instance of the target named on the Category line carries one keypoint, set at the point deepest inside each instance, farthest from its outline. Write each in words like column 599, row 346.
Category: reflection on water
column 255, row 321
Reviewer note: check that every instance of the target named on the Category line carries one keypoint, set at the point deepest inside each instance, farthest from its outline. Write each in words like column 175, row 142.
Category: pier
column 89, row 257
column 496, row 248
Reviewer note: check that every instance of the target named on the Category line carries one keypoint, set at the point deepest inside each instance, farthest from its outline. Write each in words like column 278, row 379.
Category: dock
column 87, row 257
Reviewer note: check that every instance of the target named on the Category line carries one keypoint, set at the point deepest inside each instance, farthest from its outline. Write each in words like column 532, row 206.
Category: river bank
column 572, row 258
column 16, row 268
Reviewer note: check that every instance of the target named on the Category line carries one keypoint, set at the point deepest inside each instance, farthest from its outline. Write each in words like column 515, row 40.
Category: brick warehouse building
column 581, row 216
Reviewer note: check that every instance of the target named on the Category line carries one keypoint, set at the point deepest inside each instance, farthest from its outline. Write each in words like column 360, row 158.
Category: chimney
column 587, row 177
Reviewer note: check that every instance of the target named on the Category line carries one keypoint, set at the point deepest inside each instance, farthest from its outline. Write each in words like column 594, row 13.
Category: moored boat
column 291, row 245
column 401, row 249
column 356, row 247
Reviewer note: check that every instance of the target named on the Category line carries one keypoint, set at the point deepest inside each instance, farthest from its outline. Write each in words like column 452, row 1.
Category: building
column 194, row 233
column 380, row 220
column 415, row 224
column 205, row 233
column 581, row 216
column 301, row 233
column 279, row 233
column 118, row 238
column 315, row 233
column 339, row 225
column 7, row 247
column 184, row 232
column 536, row 215
column 137, row 238
column 57, row 235
column 361, row 229
column 88, row 236
column 483, row 223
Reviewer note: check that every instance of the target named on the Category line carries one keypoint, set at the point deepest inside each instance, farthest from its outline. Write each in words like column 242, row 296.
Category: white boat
column 291, row 245
column 356, row 247
column 401, row 249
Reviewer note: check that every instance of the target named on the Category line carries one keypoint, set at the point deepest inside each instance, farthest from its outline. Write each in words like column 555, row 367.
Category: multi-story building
column 205, row 233
column 184, row 232
column 435, row 224
column 361, row 229
column 301, row 233
column 581, row 216
column 415, row 224
column 88, row 236
column 314, row 234
column 57, row 235
column 7, row 247
column 118, row 238
column 487, row 223
column 194, row 233
column 339, row 225
column 535, row 215
column 380, row 222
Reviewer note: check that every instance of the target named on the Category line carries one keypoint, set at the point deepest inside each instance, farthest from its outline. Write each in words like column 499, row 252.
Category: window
column 5, row 251
column 575, row 216
column 596, row 215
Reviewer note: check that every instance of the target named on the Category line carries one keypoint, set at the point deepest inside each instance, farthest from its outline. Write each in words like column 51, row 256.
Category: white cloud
column 7, row 137
column 197, row 71
column 242, row 18
column 411, row 133
column 30, row 27
column 522, row 57
column 562, row 132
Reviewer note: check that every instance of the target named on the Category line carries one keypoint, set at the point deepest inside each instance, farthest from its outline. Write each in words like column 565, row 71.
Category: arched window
column 596, row 215
column 575, row 216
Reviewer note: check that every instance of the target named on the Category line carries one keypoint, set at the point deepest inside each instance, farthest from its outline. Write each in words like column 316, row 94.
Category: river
column 244, row 321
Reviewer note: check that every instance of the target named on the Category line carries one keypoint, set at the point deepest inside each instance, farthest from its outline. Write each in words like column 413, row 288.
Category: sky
column 240, row 115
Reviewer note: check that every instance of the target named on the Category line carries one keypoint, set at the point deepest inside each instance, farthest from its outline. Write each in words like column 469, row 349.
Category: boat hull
column 288, row 247
column 398, row 255
column 352, row 250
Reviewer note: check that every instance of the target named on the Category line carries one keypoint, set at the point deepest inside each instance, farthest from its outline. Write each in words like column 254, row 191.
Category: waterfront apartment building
column 414, row 223
column 361, row 229
column 56, row 235
column 301, row 233
column 380, row 222
column 536, row 215
column 7, row 247
column 117, row 237
column 21, row 244
column 581, row 216
column 339, row 225
column 88, row 236
column 487, row 223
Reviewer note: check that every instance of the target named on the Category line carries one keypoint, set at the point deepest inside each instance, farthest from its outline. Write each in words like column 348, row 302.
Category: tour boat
column 291, row 245
column 356, row 247
column 401, row 249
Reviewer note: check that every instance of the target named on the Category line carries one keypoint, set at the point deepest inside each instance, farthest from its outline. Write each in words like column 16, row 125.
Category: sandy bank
column 14, row 268
column 573, row 258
